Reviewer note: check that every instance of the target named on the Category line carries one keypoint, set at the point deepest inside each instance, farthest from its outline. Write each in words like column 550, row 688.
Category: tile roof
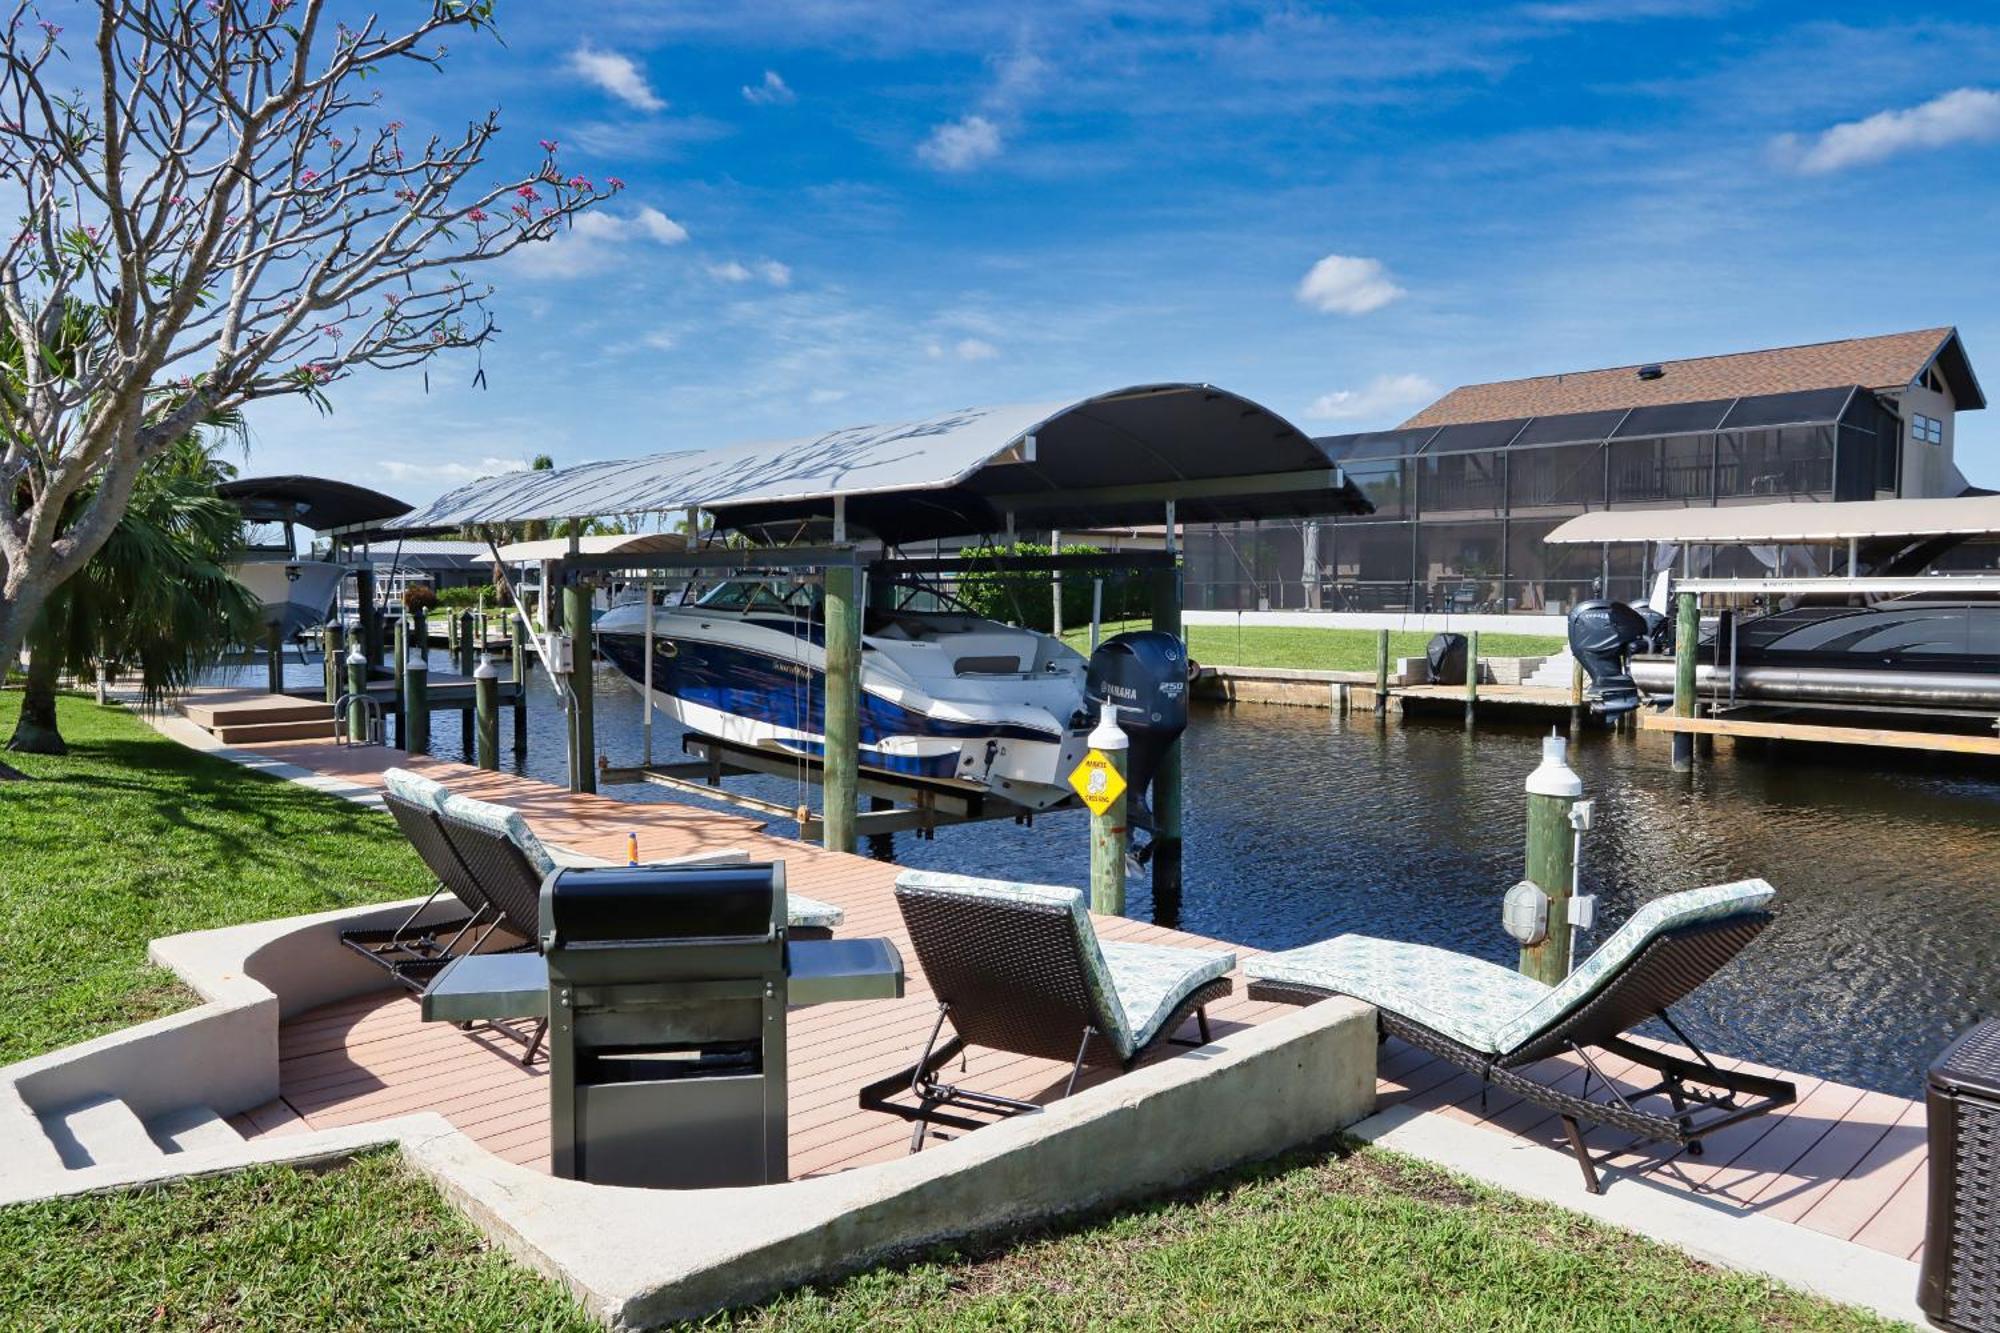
column 1885, row 362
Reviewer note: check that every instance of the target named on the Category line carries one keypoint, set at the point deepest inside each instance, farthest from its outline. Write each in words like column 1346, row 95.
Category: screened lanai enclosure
column 1461, row 511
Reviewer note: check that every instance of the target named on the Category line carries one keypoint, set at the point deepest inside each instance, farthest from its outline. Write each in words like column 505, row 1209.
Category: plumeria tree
column 214, row 208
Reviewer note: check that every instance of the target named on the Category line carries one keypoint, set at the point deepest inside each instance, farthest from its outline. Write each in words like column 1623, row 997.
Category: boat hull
column 295, row 594
column 777, row 702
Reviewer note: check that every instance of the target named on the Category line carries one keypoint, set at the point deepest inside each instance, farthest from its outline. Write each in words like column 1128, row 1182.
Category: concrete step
column 100, row 1132
column 279, row 708
column 317, row 730
column 1555, row 672
column 191, row 1129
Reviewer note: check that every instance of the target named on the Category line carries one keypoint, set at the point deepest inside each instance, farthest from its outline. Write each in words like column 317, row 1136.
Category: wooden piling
column 521, row 668
column 1687, row 632
column 583, row 723
column 1471, row 673
column 397, row 668
column 843, row 707
column 332, row 650
column 371, row 619
column 274, row 658
column 468, row 651
column 1382, row 671
column 486, row 707
column 357, row 693
column 1167, row 842
column 1552, row 789
column 416, row 729
column 1109, row 832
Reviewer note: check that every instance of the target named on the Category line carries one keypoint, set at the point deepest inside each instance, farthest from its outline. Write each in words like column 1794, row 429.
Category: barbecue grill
column 667, row 989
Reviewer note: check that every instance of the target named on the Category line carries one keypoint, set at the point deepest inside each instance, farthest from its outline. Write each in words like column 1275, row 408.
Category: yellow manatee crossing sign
column 1097, row 782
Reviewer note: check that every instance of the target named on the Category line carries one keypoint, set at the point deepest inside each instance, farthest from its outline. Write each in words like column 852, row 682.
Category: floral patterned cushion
column 1467, row 999
column 1152, row 980
column 506, row 821
column 416, row 788
column 1662, row 914
column 1136, row 992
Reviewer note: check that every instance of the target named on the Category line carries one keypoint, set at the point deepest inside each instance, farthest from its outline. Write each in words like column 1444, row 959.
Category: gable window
column 1929, row 430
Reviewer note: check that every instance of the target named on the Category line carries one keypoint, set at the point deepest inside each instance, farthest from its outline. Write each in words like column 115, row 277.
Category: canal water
column 1301, row 824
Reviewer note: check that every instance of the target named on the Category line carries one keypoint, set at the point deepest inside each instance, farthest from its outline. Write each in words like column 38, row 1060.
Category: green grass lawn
column 1336, row 1239
column 133, row 836
column 1317, row 649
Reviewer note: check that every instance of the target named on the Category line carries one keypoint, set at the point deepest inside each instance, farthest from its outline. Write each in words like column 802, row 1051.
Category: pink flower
column 615, row 184
column 476, row 214
column 308, row 176
column 579, row 183
column 395, row 126
column 528, row 192
column 548, row 145
column 53, row 30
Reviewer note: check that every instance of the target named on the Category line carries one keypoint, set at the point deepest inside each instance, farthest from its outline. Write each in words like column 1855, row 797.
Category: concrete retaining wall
column 1428, row 623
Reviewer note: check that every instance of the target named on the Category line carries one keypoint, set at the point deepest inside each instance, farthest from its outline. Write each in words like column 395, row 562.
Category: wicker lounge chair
column 413, row 953
column 1498, row 1023
column 1019, row 968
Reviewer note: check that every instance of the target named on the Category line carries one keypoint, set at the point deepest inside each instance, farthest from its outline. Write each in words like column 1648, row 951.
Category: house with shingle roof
column 1465, row 490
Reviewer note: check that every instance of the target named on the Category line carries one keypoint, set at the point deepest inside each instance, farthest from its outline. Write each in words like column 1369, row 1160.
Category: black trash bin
column 1445, row 655
column 1960, row 1283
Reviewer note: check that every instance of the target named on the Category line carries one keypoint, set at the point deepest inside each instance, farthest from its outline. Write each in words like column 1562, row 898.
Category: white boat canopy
column 1798, row 521
column 624, row 543
column 1114, row 458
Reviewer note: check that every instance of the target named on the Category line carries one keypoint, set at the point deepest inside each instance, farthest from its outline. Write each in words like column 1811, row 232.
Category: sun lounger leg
column 1575, row 1136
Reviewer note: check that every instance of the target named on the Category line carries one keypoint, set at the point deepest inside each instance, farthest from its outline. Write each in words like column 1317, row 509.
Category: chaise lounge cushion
column 416, row 788
column 1668, row 912
column 504, row 820
column 1467, row 999
column 1136, row 986
column 1483, row 1005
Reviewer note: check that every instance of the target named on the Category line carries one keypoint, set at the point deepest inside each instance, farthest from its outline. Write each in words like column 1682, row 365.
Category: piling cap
column 1108, row 735
column 417, row 661
column 355, row 657
column 485, row 670
column 1555, row 777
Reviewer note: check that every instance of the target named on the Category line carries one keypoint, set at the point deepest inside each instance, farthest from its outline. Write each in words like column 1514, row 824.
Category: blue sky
column 840, row 213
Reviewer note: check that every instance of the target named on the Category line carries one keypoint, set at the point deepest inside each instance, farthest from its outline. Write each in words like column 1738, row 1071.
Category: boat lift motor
column 1603, row 636
column 1144, row 674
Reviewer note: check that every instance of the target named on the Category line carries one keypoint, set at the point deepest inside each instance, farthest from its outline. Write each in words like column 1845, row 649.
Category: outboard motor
column 1445, row 656
column 1145, row 673
column 1602, row 636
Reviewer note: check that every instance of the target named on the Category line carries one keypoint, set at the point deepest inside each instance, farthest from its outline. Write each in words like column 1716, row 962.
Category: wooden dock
column 1841, row 1161
column 1775, row 729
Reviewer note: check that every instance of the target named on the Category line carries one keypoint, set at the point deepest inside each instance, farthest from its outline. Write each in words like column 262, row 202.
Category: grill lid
column 642, row 904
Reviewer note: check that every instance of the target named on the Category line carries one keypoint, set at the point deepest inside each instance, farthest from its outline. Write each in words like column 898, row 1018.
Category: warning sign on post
column 1097, row 782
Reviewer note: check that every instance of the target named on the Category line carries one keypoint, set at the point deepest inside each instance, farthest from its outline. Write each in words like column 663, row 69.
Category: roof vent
column 1652, row 372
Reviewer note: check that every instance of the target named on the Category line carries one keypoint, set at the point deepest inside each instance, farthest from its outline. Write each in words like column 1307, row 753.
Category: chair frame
column 413, row 955
column 1703, row 1097
column 971, row 951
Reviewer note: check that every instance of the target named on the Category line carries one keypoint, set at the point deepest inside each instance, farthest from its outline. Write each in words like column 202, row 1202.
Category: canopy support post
column 646, row 724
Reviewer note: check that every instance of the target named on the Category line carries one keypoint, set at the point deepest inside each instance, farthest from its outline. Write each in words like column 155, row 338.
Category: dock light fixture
column 1524, row 913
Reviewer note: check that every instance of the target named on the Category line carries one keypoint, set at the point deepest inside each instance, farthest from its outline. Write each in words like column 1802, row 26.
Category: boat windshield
column 761, row 595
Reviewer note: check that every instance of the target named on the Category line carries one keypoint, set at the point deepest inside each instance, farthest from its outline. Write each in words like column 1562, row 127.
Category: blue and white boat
column 946, row 695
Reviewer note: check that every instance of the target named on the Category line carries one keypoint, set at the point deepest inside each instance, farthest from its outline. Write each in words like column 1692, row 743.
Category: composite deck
column 1841, row 1160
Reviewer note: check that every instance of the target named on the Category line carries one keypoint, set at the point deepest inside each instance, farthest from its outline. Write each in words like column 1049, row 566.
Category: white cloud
column 821, row 397
column 1347, row 285
column 773, row 91
column 1965, row 115
column 403, row 470
column 965, row 349
column 616, row 74
column 660, row 340
column 960, row 145
column 593, row 241
column 1384, row 395
column 770, row 270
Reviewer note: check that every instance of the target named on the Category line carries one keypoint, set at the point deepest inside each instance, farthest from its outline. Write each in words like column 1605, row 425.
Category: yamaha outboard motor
column 1602, row 636
column 1445, row 656
column 1145, row 674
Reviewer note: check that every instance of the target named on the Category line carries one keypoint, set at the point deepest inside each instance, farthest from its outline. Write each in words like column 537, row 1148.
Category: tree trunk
column 35, row 732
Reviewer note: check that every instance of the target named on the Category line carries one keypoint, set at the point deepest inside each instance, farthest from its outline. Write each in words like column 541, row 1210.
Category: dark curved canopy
column 1114, row 459
column 319, row 503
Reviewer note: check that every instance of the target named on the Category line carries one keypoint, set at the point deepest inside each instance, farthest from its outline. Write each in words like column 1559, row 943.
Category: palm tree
column 157, row 601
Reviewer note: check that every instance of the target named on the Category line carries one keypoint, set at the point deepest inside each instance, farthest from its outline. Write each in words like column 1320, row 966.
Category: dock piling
column 486, row 705
column 1382, row 671
column 357, row 692
column 1471, row 674
column 1166, row 859
column 397, row 667
column 1687, row 630
column 1552, row 789
column 1109, row 832
column 583, row 723
column 843, row 707
column 331, row 651
column 416, row 724
column 371, row 618
column 519, row 635
column 274, row 658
